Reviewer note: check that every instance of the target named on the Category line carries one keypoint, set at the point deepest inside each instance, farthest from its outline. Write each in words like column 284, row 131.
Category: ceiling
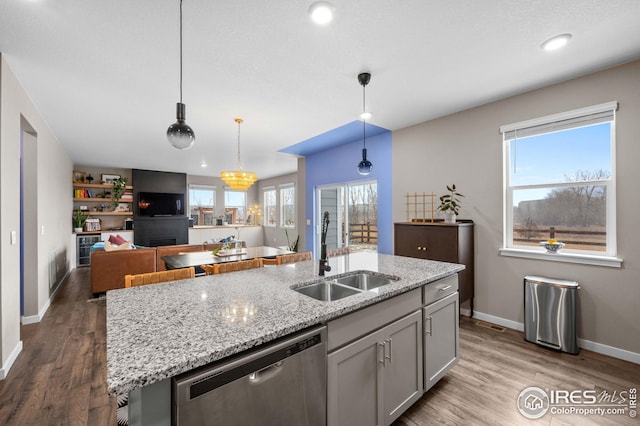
column 105, row 74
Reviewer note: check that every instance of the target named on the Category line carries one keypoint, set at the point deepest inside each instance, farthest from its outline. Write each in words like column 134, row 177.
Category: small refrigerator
column 83, row 249
column 550, row 313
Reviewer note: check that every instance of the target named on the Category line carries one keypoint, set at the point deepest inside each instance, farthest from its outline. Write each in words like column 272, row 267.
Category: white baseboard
column 32, row 319
column 4, row 371
column 499, row 321
column 584, row 344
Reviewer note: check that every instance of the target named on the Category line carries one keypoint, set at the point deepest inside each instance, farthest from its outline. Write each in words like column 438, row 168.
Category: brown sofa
column 109, row 268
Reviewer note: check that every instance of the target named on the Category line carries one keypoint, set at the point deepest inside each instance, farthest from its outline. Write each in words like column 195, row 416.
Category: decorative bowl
column 552, row 247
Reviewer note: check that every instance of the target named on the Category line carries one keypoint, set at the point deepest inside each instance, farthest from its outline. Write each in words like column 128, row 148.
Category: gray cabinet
column 376, row 378
column 440, row 338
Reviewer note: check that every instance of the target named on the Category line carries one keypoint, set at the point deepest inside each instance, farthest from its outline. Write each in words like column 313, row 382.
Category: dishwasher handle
column 265, row 374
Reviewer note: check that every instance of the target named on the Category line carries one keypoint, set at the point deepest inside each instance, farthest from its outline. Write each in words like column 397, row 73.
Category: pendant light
column 180, row 135
column 364, row 166
column 239, row 180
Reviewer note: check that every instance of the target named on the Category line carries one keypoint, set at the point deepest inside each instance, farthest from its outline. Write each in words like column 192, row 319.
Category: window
column 202, row 204
column 270, row 207
column 288, row 206
column 235, row 206
column 560, row 182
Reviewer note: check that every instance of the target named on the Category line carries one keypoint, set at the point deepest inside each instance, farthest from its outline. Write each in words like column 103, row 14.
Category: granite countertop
column 158, row 331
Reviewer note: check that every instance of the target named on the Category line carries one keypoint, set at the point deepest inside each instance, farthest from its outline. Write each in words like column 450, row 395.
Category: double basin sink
column 337, row 288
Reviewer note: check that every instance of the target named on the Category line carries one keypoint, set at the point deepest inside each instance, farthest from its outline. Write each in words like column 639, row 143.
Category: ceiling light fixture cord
column 364, row 109
column 239, row 120
column 180, row 51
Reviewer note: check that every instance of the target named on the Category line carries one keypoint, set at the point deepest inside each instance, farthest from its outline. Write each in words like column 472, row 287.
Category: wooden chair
column 338, row 251
column 208, row 269
column 241, row 265
column 269, row 261
column 294, row 257
column 158, row 277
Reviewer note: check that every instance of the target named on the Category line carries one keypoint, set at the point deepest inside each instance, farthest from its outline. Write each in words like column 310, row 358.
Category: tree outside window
column 270, row 207
column 235, row 206
column 202, row 205
column 287, row 206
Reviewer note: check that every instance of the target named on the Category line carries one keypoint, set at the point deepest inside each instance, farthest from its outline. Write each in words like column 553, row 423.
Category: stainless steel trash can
column 550, row 313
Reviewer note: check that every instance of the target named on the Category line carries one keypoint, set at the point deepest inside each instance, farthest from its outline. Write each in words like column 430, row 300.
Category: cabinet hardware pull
column 444, row 287
column 429, row 331
column 390, row 350
column 382, row 345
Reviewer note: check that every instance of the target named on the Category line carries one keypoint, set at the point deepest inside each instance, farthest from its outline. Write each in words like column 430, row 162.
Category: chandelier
column 238, row 180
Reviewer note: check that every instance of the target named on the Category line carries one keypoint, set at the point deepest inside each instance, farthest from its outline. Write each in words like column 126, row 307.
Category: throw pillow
column 117, row 240
column 111, row 247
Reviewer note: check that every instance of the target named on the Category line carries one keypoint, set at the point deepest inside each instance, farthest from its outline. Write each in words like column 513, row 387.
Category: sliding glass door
column 353, row 215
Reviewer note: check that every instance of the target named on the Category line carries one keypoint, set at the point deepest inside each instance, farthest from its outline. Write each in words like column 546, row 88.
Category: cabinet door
column 353, row 382
column 409, row 241
column 433, row 242
column 402, row 372
column 440, row 338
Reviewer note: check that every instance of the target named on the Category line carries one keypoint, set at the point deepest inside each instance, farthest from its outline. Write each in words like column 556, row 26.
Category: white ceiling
column 105, row 74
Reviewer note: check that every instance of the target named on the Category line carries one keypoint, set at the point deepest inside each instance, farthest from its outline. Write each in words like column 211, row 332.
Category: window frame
column 244, row 207
column 607, row 258
column 197, row 186
column 281, row 189
column 266, row 207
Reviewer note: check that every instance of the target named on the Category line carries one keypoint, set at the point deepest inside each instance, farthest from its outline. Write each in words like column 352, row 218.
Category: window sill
column 586, row 259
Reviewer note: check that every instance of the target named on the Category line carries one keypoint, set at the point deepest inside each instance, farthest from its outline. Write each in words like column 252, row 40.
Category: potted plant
column 79, row 220
column 450, row 204
column 119, row 186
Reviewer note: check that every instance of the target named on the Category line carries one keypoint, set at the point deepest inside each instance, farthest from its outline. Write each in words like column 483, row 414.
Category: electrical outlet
column 13, row 237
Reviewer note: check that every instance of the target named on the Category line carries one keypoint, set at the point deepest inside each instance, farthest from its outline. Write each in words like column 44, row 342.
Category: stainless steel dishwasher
column 283, row 383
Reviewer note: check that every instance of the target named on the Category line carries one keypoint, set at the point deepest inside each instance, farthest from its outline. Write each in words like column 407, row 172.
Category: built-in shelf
column 97, row 186
column 101, row 200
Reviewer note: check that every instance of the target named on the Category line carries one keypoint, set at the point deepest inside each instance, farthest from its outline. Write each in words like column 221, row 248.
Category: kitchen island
column 159, row 331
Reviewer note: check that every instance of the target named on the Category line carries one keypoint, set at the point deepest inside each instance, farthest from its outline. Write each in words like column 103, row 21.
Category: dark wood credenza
column 446, row 242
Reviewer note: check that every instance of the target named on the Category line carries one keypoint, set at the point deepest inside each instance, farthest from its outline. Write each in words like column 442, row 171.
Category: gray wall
column 275, row 236
column 49, row 226
column 466, row 149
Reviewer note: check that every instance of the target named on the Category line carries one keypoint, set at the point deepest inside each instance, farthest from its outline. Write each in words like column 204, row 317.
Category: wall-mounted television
column 160, row 204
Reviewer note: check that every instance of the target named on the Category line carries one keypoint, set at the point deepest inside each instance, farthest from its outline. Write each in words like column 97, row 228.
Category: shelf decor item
column 79, row 220
column 119, row 186
column 450, row 204
column 552, row 246
column 79, row 177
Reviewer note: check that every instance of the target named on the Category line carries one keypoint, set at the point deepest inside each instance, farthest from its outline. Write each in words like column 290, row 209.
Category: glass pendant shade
column 364, row 166
column 238, row 180
column 180, row 135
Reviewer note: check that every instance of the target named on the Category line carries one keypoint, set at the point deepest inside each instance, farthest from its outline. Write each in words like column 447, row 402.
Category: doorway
column 353, row 215
column 28, row 220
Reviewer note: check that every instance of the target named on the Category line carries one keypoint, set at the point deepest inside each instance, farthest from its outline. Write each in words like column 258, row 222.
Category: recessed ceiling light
column 321, row 12
column 365, row 115
column 203, row 164
column 556, row 42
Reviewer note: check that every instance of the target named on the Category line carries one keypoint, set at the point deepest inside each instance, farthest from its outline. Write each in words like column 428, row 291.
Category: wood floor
column 60, row 376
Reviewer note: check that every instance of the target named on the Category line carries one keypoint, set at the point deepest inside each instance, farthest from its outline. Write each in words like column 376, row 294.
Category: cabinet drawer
column 350, row 327
column 439, row 289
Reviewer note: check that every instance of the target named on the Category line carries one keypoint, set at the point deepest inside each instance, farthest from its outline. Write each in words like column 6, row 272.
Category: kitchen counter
column 158, row 331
